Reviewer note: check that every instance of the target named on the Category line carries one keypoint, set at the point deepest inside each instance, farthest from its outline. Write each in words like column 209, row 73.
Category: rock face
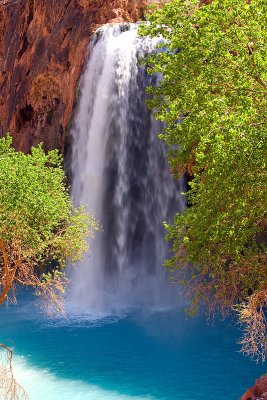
column 43, row 46
column 258, row 391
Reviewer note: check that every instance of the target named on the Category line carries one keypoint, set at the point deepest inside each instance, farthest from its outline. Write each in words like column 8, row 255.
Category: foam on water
column 84, row 321
column 40, row 384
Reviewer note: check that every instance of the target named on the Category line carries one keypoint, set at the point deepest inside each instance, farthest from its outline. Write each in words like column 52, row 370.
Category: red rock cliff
column 258, row 391
column 43, row 45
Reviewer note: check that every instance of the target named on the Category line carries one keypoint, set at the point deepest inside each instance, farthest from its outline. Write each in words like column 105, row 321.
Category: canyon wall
column 43, row 45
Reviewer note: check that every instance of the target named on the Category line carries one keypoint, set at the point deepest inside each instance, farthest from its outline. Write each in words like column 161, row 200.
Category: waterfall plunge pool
column 120, row 171
column 155, row 356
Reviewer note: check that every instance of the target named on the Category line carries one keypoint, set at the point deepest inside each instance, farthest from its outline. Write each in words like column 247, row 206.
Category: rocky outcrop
column 258, row 391
column 43, row 46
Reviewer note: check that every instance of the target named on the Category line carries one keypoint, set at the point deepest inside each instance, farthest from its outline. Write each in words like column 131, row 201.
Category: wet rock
column 258, row 391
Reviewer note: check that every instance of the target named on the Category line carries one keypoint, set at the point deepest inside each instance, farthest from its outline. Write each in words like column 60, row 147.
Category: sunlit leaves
column 38, row 224
column 215, row 81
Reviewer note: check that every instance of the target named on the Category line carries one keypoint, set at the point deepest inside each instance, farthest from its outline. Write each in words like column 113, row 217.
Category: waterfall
column 120, row 172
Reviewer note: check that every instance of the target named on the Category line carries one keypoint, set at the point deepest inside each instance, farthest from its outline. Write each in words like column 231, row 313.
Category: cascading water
column 120, row 172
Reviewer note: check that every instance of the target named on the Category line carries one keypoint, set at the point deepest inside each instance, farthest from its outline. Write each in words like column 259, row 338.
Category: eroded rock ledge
column 258, row 391
column 43, row 44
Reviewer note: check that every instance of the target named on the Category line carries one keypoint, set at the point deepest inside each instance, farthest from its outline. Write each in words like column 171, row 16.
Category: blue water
column 158, row 356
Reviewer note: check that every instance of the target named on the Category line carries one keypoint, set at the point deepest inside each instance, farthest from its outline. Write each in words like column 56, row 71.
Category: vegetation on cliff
column 213, row 97
column 40, row 230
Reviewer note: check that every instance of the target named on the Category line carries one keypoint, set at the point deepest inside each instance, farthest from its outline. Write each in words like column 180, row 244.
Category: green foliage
column 38, row 223
column 215, row 82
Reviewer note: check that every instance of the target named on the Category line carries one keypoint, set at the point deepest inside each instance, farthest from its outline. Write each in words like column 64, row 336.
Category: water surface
column 159, row 356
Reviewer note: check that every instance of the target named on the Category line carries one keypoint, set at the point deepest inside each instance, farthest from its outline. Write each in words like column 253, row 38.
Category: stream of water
column 120, row 172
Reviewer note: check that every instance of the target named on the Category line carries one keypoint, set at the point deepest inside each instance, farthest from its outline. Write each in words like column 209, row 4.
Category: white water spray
column 120, row 172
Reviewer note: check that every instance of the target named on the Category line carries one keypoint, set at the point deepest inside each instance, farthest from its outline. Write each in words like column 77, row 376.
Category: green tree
column 40, row 230
column 213, row 97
